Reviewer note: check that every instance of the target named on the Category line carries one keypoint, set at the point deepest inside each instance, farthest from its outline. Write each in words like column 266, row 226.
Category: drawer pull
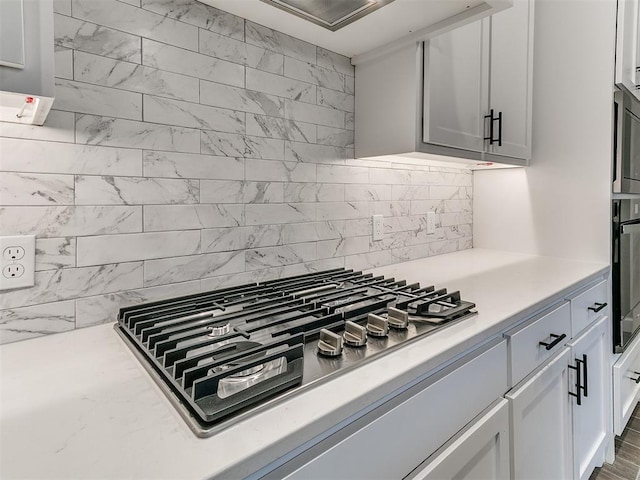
column 597, row 307
column 556, row 341
column 637, row 380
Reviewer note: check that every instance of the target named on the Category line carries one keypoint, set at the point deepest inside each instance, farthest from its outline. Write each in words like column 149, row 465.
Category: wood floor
column 627, row 463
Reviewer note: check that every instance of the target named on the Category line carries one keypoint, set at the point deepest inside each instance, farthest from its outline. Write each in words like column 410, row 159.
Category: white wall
column 560, row 205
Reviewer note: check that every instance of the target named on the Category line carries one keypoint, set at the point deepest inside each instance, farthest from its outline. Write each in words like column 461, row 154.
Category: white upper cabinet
column 477, row 85
column 628, row 46
column 465, row 94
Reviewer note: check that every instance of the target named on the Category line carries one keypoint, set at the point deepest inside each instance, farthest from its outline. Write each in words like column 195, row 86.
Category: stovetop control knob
column 377, row 326
column 329, row 344
column 398, row 318
column 354, row 335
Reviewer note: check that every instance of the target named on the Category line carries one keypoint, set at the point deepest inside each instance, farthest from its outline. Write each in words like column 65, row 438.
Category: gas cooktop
column 222, row 355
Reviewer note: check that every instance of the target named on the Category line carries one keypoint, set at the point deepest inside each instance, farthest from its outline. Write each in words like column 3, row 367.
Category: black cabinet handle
column 637, row 380
column 597, row 306
column 492, row 120
column 585, row 387
column 556, row 341
column 579, row 387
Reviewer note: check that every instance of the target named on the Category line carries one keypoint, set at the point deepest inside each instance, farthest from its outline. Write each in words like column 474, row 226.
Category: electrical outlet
column 378, row 227
column 431, row 222
column 17, row 261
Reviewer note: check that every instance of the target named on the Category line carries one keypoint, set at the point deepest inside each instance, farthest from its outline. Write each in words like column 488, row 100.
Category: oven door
column 626, row 174
column 626, row 271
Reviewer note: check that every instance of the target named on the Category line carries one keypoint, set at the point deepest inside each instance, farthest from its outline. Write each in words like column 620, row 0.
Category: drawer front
column 525, row 343
column 626, row 385
column 391, row 440
column 587, row 307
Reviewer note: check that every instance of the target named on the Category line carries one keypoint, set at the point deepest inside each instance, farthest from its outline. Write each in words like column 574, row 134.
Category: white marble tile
column 199, row 14
column 279, row 42
column 240, row 99
column 465, row 243
column 30, row 322
column 305, row 152
column 104, row 249
column 35, row 189
column 187, row 217
column 349, row 85
column 358, row 227
column 287, row 233
column 269, row 170
column 137, row 22
column 63, row 62
column 58, row 127
column 365, row 192
column 97, row 100
column 259, row 258
column 134, row 77
column 445, row 246
column 391, row 209
column 453, row 206
column 186, row 114
column 230, row 191
column 336, row 137
column 62, row 6
column 449, row 219
column 239, row 52
column 280, row 86
column 343, row 210
column 366, row 261
column 223, row 239
column 350, row 121
column 55, row 253
column 343, row 174
column 231, row 280
column 410, row 192
column 100, row 309
column 273, row 127
column 187, row 165
column 117, row 132
column 446, row 192
column 179, row 269
column 391, row 176
column 422, row 207
column 108, row 190
column 53, row 157
column 70, row 221
column 179, row 60
column 343, row 246
column 337, row 100
column 89, row 37
column 313, row 192
column 232, row 145
column 307, row 72
column 319, row 115
column 265, row 214
column 334, row 61
column 69, row 283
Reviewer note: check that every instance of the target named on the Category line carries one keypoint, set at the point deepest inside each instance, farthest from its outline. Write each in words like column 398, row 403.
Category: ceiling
column 393, row 21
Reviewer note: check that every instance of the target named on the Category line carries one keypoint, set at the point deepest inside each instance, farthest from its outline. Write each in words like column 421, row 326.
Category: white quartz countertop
column 80, row 405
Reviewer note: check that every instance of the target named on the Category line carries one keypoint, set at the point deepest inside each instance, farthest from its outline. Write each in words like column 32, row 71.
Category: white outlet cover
column 378, row 227
column 26, row 243
column 431, row 222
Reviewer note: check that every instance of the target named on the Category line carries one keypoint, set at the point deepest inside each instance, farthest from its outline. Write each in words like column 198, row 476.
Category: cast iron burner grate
column 219, row 355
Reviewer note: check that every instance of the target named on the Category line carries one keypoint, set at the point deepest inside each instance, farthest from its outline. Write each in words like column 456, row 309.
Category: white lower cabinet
column 480, row 451
column 591, row 431
column 541, row 446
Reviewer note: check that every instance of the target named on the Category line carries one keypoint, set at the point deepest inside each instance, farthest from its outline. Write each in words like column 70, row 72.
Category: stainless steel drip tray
column 317, row 370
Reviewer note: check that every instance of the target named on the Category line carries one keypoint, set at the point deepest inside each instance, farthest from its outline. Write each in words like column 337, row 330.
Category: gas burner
column 222, row 355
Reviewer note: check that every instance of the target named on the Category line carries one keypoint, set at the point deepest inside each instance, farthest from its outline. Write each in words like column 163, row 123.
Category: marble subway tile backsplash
column 189, row 149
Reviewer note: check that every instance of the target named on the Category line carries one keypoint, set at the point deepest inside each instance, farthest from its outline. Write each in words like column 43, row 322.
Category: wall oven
column 626, row 271
column 626, row 172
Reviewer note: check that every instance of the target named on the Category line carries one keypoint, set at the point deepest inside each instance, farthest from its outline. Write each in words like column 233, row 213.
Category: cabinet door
column 591, row 417
column 456, row 87
column 481, row 450
column 628, row 45
column 626, row 385
column 511, row 78
column 541, row 444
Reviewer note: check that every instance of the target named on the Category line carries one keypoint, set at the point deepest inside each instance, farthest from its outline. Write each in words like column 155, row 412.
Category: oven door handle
column 630, row 228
